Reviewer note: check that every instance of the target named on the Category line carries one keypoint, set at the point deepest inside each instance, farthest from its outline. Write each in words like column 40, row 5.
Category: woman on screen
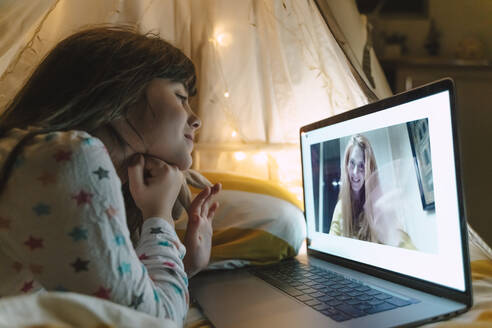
column 362, row 210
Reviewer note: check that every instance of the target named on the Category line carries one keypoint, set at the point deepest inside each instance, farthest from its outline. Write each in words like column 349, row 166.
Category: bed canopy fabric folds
column 265, row 68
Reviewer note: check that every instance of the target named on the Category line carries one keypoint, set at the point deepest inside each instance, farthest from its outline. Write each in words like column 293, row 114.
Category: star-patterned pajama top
column 63, row 228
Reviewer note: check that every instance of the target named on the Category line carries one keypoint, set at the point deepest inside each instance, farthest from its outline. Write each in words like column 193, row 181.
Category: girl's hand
column 198, row 237
column 154, row 186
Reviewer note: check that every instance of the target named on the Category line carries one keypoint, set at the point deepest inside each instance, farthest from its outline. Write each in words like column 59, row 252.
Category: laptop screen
column 381, row 189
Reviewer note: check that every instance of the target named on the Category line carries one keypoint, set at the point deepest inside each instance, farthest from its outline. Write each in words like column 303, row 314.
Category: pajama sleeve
column 70, row 223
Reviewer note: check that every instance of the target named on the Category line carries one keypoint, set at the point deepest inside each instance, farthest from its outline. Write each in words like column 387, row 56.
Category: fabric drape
column 353, row 33
column 265, row 68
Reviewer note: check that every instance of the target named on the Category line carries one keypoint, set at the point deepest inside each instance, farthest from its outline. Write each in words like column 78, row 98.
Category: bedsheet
column 56, row 309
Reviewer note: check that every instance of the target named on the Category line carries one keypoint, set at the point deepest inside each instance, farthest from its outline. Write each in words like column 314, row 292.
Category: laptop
column 386, row 229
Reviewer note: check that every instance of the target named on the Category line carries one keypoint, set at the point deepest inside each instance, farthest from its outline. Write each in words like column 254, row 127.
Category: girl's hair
column 357, row 227
column 90, row 79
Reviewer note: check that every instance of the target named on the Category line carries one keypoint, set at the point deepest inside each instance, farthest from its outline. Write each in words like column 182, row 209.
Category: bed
column 246, row 233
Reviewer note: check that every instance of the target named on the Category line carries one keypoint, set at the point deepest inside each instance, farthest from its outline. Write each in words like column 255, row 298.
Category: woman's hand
column 386, row 219
column 154, row 186
column 198, row 237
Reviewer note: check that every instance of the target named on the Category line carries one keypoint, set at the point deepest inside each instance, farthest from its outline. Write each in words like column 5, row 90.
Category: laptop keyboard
column 334, row 295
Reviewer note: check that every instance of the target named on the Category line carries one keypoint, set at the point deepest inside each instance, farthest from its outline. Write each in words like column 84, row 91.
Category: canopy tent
column 265, row 68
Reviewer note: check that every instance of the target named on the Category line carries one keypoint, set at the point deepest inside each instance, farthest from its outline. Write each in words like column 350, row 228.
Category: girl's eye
column 183, row 99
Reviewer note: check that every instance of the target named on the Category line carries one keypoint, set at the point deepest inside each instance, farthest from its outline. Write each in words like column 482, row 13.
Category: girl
column 106, row 108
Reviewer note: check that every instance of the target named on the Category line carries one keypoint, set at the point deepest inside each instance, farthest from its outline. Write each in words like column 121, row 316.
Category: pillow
column 257, row 222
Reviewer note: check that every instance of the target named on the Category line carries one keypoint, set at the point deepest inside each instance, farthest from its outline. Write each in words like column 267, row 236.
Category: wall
column 455, row 19
column 421, row 225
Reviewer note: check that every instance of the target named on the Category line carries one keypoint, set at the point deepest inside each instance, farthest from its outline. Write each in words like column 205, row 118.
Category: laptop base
column 237, row 298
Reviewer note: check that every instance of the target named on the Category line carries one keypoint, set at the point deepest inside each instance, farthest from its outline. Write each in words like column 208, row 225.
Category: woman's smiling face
column 167, row 125
column 356, row 168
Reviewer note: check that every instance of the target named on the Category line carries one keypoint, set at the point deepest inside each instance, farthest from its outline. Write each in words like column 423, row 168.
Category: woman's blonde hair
column 352, row 226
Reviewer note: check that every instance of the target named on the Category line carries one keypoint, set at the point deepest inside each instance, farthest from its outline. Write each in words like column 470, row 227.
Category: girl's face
column 167, row 126
column 356, row 168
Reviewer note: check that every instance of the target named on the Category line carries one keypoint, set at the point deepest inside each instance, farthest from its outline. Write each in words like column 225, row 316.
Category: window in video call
column 374, row 195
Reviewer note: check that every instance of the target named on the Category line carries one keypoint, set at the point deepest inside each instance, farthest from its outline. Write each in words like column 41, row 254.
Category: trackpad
column 237, row 299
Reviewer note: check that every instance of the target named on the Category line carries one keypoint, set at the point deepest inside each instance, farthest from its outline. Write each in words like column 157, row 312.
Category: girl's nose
column 194, row 121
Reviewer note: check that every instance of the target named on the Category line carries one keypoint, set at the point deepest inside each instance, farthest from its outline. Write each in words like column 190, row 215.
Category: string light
column 265, row 164
column 239, row 155
column 260, row 158
column 221, row 39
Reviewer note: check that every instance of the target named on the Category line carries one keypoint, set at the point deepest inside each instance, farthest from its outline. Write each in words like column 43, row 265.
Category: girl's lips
column 189, row 137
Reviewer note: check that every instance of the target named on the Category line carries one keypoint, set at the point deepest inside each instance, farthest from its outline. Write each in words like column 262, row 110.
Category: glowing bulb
column 239, row 155
column 233, row 134
column 226, row 94
column 220, row 39
column 260, row 158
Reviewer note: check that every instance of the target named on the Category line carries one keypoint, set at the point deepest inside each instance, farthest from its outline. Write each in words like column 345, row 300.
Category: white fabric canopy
column 265, row 68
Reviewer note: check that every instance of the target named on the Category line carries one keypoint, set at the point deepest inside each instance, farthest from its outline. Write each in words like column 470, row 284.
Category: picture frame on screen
column 418, row 132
